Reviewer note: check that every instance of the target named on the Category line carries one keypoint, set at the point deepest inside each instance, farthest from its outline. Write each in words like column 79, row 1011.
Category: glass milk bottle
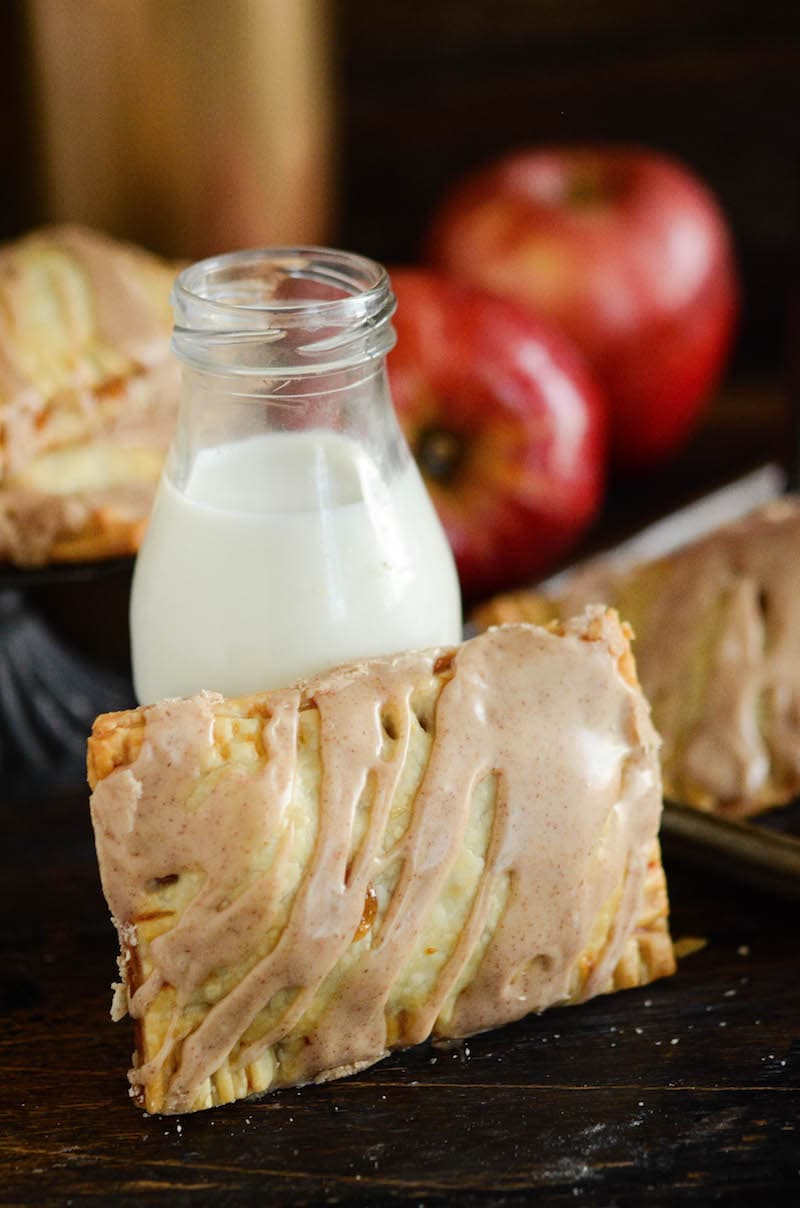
column 291, row 531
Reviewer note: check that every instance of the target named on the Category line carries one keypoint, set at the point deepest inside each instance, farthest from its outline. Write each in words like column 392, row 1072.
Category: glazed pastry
column 718, row 651
column 88, row 394
column 433, row 843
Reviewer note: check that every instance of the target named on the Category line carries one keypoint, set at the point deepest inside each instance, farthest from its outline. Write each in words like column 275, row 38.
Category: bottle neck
column 329, row 388
column 284, row 341
column 283, row 313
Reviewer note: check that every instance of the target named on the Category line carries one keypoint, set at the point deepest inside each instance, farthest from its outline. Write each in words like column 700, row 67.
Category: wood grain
column 688, row 1088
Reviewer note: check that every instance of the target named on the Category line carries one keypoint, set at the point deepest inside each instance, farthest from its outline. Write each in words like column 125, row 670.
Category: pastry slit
column 296, row 897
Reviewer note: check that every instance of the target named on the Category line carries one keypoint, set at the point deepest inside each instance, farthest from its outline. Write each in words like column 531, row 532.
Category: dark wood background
column 428, row 90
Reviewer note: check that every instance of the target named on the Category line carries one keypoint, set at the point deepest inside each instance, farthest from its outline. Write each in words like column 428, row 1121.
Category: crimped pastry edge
column 647, row 955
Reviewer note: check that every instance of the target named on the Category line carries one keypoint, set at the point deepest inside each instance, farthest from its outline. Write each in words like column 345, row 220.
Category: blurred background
column 346, row 120
column 196, row 126
column 193, row 126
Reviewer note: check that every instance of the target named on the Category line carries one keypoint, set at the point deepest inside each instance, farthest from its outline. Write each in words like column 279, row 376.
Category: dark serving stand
column 63, row 660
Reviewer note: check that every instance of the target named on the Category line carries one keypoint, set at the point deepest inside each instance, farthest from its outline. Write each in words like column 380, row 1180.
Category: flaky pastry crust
column 304, row 880
column 718, row 650
column 88, row 394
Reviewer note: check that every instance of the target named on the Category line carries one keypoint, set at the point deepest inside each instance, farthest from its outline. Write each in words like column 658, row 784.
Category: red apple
column 506, row 425
column 629, row 253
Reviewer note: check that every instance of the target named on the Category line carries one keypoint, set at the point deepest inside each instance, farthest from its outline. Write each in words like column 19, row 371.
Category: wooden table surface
column 685, row 1091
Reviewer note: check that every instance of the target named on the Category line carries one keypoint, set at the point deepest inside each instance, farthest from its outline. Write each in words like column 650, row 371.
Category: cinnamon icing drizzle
column 84, row 354
column 91, row 287
column 718, row 651
column 541, row 748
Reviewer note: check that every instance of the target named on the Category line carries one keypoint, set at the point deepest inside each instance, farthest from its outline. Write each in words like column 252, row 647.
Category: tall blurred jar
column 192, row 126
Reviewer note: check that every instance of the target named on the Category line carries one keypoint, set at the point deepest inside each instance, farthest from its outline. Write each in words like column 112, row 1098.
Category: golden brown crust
column 115, row 741
column 106, row 536
column 521, row 607
column 88, row 394
column 649, row 953
column 524, row 606
column 612, row 959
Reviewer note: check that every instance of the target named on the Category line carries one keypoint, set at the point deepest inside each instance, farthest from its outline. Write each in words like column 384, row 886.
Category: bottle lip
column 282, row 310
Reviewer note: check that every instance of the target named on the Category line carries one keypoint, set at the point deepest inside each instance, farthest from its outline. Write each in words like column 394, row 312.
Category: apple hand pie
column 433, row 843
column 88, row 394
column 718, row 651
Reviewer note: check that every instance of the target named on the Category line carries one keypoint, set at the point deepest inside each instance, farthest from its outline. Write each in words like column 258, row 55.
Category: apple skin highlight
column 627, row 251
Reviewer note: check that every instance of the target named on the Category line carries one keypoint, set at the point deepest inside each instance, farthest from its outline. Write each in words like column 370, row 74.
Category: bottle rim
column 288, row 311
